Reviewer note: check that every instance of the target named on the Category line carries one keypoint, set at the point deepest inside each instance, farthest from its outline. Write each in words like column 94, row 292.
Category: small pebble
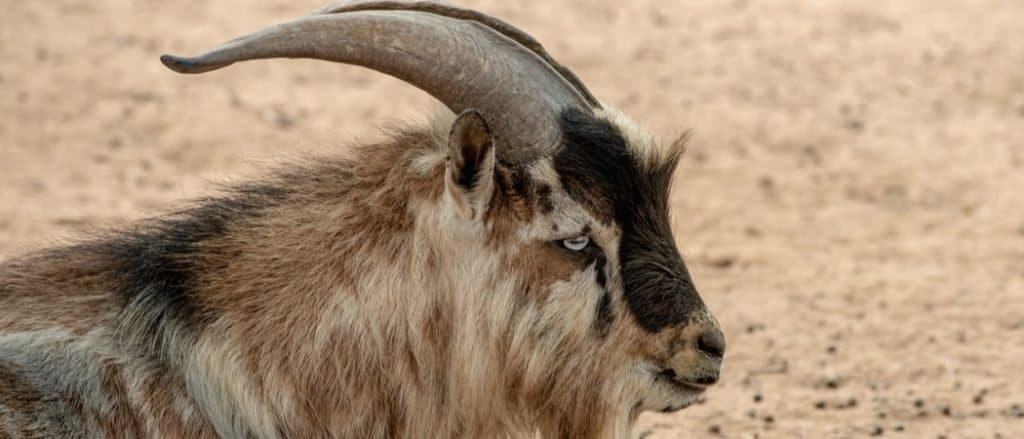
column 855, row 125
column 918, row 403
column 820, row 405
column 877, row 430
column 832, row 382
column 769, row 419
column 947, row 411
column 715, row 429
column 758, row 397
column 1015, row 411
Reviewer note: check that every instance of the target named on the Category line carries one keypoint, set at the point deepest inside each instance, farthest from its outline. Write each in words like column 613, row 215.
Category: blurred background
column 851, row 205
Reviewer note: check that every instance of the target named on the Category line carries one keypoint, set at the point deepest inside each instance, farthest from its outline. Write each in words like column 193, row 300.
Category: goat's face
column 560, row 207
column 583, row 235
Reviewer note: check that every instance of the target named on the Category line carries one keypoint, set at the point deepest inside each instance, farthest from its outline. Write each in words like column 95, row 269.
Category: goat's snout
column 711, row 347
column 698, row 362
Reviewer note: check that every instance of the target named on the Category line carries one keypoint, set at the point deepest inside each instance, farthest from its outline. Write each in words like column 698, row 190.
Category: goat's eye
column 576, row 244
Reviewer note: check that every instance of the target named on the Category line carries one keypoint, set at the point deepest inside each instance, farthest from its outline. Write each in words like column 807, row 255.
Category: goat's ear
column 471, row 161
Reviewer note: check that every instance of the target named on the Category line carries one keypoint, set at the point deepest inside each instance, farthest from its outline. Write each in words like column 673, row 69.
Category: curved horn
column 463, row 58
column 494, row 23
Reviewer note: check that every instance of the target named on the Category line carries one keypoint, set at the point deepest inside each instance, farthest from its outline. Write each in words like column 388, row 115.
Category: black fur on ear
column 470, row 150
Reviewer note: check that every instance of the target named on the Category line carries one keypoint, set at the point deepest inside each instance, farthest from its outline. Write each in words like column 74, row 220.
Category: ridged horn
column 463, row 58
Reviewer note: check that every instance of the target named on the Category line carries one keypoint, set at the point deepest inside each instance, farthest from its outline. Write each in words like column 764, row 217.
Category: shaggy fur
column 417, row 288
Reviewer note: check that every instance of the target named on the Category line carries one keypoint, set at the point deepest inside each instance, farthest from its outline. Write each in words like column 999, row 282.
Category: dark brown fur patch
column 511, row 204
column 541, row 264
column 544, row 201
column 599, row 170
column 18, row 399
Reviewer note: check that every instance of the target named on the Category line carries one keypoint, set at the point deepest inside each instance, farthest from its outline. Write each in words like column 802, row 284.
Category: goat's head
column 568, row 196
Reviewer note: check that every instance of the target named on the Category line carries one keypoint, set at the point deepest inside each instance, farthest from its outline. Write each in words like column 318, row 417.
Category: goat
column 507, row 271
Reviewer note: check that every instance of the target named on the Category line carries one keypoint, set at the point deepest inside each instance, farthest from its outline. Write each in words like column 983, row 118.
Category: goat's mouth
column 672, row 379
column 672, row 391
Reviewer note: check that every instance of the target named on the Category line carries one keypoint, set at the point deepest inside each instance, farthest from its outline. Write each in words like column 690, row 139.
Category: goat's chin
column 678, row 398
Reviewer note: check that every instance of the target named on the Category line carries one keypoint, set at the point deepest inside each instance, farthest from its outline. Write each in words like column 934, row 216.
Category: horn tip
column 182, row 64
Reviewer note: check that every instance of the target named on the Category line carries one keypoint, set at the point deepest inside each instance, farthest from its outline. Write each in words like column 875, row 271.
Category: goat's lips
column 670, row 377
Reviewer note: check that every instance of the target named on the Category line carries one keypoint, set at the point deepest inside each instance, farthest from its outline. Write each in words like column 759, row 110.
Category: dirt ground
column 851, row 206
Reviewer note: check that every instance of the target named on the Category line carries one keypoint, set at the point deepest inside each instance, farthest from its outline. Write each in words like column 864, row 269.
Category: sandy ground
column 852, row 204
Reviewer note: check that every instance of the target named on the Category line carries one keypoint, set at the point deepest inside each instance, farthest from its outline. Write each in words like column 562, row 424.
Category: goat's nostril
column 712, row 342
